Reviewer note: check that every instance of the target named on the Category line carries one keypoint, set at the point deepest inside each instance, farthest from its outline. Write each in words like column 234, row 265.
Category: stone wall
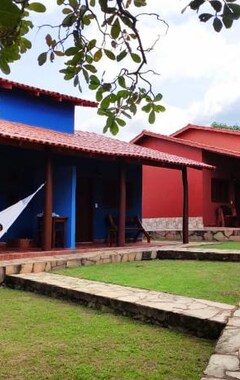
column 158, row 224
column 211, row 235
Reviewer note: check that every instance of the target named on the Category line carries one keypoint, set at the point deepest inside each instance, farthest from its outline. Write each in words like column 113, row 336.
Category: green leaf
column 59, row 53
column 121, row 122
column 116, row 29
column 235, row 8
column 122, row 82
column 73, row 3
column 109, row 54
column 4, row 66
column 227, row 21
column 147, row 108
column 94, row 79
column 91, row 44
column 204, row 17
column 140, row 3
column 37, row 7
column 158, row 97
column 217, row 24
column 105, row 102
column 158, row 108
column 136, row 58
column 151, row 117
column 69, row 20
column 90, row 68
column 121, row 56
column 42, row 58
column 217, row 5
column 71, row 51
column 10, row 14
column 92, row 3
column 114, row 129
column 67, row 11
column 49, row 40
column 98, row 55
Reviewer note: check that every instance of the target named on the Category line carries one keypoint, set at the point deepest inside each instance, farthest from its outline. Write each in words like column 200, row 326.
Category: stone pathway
column 201, row 317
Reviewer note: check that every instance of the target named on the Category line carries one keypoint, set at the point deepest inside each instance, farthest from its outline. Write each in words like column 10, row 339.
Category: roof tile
column 92, row 143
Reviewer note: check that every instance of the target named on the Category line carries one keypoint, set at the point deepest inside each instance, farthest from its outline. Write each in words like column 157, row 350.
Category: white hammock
column 10, row 214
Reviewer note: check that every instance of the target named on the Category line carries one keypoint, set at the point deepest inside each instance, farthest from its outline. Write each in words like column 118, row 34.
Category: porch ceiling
column 90, row 144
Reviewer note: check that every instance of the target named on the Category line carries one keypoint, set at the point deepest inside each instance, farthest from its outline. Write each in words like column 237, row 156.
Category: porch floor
column 16, row 253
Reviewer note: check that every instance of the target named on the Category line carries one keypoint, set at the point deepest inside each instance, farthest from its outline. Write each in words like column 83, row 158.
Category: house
column 209, row 190
column 86, row 176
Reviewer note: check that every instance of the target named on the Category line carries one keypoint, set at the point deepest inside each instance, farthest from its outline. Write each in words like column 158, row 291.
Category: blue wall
column 19, row 106
column 64, row 199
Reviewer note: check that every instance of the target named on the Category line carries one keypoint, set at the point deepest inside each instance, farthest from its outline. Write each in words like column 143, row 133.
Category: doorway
column 84, row 212
column 237, row 195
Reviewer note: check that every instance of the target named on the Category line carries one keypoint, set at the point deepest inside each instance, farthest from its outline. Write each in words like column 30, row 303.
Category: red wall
column 219, row 138
column 162, row 188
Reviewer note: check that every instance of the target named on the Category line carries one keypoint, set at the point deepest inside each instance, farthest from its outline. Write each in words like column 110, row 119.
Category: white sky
column 199, row 73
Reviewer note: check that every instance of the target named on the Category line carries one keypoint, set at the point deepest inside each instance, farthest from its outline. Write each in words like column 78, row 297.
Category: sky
column 199, row 72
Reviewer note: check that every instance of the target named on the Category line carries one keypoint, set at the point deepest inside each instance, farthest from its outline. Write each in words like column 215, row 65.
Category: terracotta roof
column 91, row 144
column 176, row 140
column 10, row 85
column 227, row 131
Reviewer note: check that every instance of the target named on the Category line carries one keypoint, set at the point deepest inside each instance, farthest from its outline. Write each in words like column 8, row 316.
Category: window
column 220, row 190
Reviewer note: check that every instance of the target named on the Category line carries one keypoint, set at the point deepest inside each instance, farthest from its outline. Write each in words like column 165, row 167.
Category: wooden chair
column 227, row 216
column 133, row 227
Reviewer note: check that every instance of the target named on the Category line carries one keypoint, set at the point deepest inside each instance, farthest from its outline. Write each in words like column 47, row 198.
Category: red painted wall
column 162, row 188
column 219, row 138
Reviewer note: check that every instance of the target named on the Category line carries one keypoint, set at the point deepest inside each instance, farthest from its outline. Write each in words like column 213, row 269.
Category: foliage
column 222, row 13
column 93, row 33
column 225, row 126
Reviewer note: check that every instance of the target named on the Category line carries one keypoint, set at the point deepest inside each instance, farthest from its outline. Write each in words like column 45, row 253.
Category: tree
column 215, row 124
column 118, row 40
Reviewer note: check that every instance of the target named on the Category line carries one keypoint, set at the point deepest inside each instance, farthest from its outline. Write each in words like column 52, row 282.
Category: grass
column 223, row 245
column 216, row 281
column 42, row 338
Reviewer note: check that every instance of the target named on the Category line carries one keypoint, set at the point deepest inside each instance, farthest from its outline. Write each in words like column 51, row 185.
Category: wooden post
column 185, row 206
column 47, row 218
column 122, row 206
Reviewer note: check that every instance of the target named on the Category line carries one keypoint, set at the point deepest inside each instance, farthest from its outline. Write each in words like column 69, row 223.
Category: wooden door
column 84, row 213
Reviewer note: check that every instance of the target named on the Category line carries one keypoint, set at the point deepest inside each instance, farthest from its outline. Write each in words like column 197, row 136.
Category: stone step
column 200, row 317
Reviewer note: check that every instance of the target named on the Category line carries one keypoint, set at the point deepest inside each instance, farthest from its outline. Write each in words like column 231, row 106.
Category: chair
column 227, row 216
column 133, row 228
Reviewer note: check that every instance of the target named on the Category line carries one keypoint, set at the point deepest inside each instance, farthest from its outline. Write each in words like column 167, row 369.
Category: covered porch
column 86, row 177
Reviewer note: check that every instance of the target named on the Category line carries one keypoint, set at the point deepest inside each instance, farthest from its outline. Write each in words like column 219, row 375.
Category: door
column 84, row 214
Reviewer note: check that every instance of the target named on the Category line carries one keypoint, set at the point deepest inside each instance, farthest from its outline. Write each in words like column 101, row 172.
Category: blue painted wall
column 19, row 106
column 24, row 170
column 64, row 199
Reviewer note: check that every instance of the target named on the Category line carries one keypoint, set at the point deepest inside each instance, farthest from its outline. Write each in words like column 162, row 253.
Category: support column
column 122, row 206
column 47, row 218
column 185, row 231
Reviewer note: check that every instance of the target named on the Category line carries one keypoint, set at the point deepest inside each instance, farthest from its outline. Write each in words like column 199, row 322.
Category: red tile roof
column 7, row 84
column 226, row 131
column 193, row 144
column 91, row 144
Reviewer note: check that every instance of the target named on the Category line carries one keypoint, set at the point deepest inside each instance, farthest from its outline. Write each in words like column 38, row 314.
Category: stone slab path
column 201, row 317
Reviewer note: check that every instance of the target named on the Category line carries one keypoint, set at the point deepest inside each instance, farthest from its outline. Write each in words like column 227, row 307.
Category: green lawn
column 223, row 245
column 216, row 281
column 43, row 338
